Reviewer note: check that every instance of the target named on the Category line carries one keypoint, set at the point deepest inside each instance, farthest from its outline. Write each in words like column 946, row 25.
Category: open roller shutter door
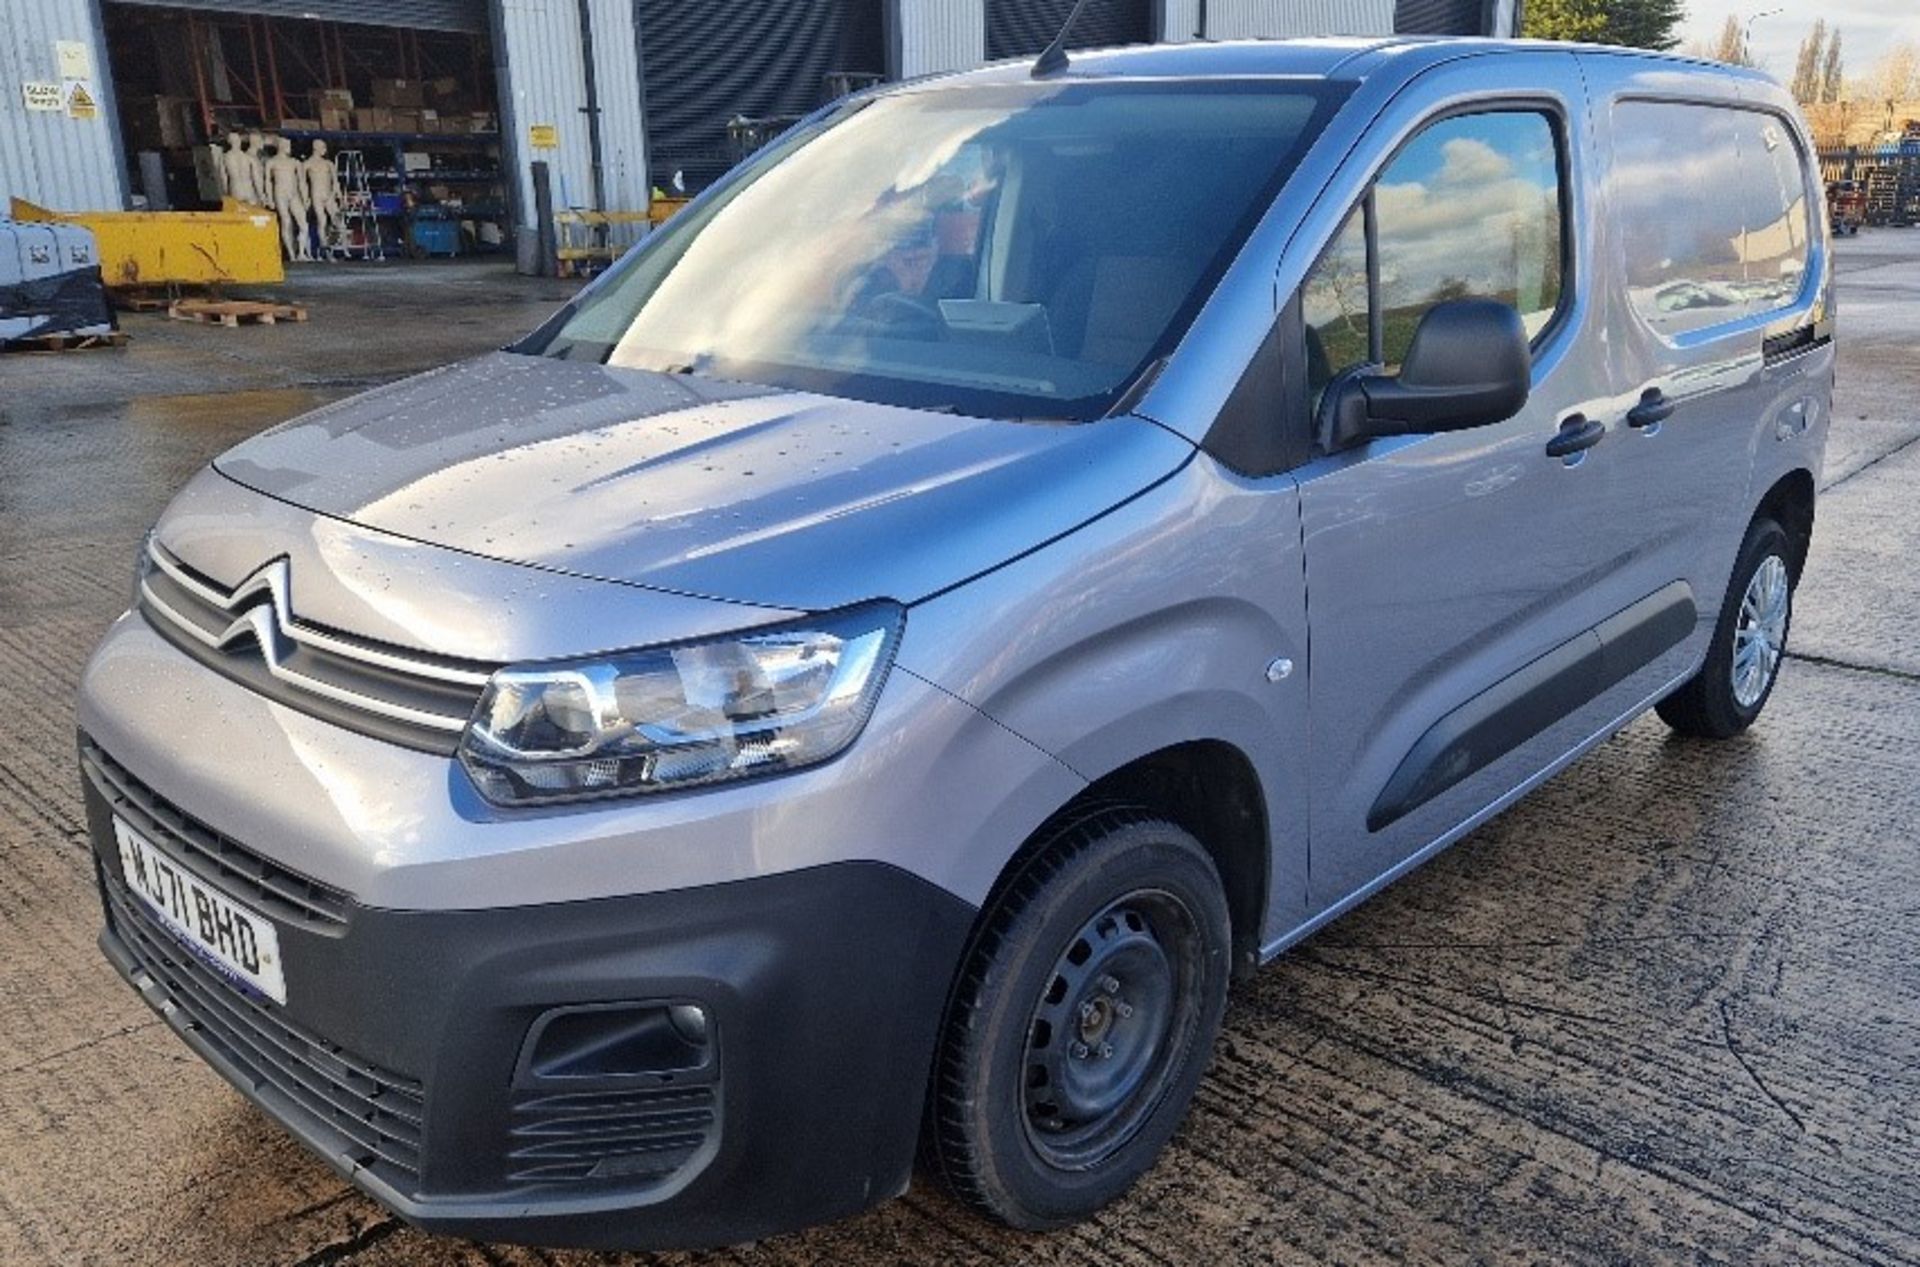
column 703, row 64
column 1021, row 28
column 1440, row 17
column 424, row 15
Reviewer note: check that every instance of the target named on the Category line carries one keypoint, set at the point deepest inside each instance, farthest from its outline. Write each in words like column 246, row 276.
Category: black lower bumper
column 401, row 1053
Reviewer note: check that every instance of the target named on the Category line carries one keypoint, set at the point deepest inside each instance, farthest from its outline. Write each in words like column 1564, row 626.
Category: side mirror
column 1469, row 365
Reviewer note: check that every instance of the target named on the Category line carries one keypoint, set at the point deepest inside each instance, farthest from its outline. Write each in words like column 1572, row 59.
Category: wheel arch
column 1208, row 787
column 1790, row 503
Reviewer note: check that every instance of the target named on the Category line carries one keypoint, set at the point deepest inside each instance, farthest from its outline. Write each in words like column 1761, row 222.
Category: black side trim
column 1784, row 347
column 1520, row 706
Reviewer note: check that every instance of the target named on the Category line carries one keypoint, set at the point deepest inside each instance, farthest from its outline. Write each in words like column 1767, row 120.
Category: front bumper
column 399, row 1054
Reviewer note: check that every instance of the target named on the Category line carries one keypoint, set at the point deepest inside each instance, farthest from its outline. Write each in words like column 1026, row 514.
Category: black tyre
column 1082, row 1021
column 1749, row 642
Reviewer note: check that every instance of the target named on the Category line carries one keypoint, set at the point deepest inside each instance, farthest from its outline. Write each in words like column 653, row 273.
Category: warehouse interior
column 409, row 111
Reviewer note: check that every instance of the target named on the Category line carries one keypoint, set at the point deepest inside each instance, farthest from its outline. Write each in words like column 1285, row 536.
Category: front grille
column 373, row 1115
column 626, row 1136
column 220, row 860
column 249, row 634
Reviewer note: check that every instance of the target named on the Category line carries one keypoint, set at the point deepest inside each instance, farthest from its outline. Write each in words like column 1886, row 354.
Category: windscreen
column 1024, row 250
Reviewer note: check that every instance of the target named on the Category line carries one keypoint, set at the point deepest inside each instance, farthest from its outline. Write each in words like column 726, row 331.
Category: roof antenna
column 1054, row 57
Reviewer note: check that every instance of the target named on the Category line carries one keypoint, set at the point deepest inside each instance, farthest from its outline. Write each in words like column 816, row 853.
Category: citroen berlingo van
column 1025, row 548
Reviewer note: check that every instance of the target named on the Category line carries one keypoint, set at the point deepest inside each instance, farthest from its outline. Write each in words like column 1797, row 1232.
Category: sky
column 1866, row 25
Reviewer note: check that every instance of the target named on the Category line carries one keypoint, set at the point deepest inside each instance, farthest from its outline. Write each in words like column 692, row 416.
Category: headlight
column 673, row 717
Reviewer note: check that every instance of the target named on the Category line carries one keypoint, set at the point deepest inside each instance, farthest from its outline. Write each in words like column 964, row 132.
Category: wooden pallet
column 234, row 312
column 65, row 342
column 158, row 297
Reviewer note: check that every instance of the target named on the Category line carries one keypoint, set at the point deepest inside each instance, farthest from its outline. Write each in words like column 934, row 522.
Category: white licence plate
column 241, row 944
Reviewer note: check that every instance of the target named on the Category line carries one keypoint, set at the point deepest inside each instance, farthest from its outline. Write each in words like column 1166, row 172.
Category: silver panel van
column 1025, row 548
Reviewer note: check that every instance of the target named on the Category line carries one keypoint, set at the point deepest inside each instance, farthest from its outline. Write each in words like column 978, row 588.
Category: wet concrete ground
column 1665, row 1010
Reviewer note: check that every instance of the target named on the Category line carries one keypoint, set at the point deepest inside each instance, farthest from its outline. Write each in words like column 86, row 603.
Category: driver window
column 1470, row 208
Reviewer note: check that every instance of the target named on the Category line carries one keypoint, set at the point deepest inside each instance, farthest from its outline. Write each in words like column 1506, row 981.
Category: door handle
column 1655, row 406
column 1577, row 432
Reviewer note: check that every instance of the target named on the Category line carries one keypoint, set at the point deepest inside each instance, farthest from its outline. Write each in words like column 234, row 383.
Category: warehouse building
column 474, row 113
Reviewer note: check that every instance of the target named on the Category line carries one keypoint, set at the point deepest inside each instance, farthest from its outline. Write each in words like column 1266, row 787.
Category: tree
column 1651, row 24
column 1632, row 23
column 1832, row 76
column 1896, row 76
column 1731, row 46
column 1807, row 66
column 1583, row 21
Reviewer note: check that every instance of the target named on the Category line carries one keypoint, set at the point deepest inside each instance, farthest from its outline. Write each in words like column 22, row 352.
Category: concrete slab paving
column 1664, row 1010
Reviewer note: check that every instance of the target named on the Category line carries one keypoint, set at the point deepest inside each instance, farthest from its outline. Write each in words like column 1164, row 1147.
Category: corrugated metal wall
column 623, row 138
column 46, row 157
column 1439, row 17
column 1022, row 28
column 1240, row 19
column 1180, row 20
column 546, row 78
column 936, row 35
column 427, row 15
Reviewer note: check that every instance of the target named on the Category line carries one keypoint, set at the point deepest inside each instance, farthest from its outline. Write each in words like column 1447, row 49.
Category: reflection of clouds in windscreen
column 740, row 287
column 1465, row 222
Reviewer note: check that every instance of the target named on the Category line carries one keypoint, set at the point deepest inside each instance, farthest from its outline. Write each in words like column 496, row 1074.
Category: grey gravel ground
column 1666, row 1010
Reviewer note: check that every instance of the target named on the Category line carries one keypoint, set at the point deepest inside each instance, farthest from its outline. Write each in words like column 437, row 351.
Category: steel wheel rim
column 1760, row 631
column 1104, row 1040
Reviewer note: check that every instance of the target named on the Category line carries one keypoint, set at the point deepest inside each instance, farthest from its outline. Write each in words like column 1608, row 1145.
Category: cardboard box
column 335, row 119
column 299, row 125
column 482, row 121
column 405, row 120
column 337, row 98
column 399, row 94
column 414, row 161
column 373, row 119
column 430, row 121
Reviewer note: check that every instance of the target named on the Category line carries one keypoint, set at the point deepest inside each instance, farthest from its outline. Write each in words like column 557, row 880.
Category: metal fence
column 1889, row 175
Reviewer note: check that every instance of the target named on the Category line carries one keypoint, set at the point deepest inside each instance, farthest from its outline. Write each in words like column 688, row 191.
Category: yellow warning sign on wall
column 543, row 136
column 80, row 102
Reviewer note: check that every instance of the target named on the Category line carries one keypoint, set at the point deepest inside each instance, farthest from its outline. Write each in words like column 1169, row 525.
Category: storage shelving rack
column 393, row 177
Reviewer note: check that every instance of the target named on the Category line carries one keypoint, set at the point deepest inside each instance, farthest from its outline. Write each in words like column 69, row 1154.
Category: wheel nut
column 1123, row 1010
column 1079, row 1051
column 1106, row 1051
column 1086, row 1011
column 1110, row 985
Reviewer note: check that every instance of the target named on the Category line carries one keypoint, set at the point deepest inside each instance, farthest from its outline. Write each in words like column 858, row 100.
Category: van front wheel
column 1082, row 1022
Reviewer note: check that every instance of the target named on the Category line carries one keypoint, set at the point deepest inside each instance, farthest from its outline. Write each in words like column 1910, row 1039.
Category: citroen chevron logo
column 266, row 622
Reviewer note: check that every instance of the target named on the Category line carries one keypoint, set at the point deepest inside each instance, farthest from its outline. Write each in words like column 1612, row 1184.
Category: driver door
column 1455, row 580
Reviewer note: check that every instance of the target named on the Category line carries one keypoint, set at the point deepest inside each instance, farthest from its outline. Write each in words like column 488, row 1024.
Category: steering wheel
column 907, row 316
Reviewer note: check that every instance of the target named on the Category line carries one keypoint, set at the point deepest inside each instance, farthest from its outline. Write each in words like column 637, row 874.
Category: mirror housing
column 1469, row 365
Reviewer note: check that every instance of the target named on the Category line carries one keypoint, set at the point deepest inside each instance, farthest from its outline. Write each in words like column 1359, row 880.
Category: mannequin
column 236, row 172
column 322, row 181
column 286, row 184
column 256, row 154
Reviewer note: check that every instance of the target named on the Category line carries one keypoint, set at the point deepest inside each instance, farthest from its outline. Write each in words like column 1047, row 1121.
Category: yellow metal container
column 238, row 243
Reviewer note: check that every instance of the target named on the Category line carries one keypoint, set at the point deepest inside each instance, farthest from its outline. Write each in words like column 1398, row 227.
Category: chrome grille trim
column 251, row 634
column 272, row 580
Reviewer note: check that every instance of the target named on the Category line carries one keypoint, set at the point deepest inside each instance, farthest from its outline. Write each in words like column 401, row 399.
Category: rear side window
column 1471, row 207
column 1711, row 208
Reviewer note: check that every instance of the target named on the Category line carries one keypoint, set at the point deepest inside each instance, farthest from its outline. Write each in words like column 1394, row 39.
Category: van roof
column 1349, row 58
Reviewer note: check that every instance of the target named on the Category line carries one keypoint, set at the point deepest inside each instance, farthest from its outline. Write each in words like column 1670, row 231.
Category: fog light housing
column 617, row 1040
